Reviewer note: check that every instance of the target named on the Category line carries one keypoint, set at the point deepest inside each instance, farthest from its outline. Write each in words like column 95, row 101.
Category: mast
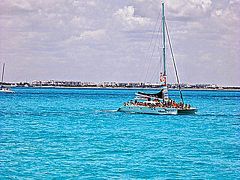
column 3, row 69
column 163, row 41
column 164, row 75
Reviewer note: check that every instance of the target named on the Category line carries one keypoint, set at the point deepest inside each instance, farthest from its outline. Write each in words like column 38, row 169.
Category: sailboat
column 160, row 103
column 2, row 88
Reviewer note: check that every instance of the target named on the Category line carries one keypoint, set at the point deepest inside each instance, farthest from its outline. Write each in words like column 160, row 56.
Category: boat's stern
column 186, row 111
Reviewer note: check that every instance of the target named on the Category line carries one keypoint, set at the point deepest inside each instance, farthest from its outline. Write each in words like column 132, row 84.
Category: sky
column 115, row 40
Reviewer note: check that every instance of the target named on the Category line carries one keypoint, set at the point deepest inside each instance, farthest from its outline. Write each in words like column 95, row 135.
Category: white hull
column 148, row 110
column 155, row 110
column 6, row 91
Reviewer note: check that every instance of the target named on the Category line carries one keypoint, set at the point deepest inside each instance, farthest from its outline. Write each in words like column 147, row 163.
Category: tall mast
column 165, row 91
column 163, row 41
column 3, row 72
column 1, row 85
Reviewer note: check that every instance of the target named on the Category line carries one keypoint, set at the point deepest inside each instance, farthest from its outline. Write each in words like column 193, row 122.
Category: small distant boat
column 159, row 103
column 2, row 88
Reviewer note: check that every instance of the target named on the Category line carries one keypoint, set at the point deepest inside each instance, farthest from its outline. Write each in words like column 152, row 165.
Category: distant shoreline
column 131, row 88
column 119, row 85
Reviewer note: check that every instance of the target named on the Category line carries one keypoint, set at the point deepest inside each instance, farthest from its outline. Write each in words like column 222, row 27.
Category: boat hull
column 156, row 110
column 187, row 111
column 6, row 91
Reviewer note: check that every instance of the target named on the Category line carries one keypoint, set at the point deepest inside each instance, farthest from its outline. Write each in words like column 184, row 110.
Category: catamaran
column 160, row 103
column 2, row 88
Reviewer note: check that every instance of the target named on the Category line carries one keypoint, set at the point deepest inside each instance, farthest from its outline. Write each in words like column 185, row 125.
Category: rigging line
column 174, row 63
column 158, row 65
column 160, row 56
column 155, row 73
column 155, row 30
column 152, row 54
column 151, row 41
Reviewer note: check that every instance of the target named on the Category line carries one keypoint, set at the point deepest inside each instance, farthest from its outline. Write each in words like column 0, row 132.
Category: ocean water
column 77, row 134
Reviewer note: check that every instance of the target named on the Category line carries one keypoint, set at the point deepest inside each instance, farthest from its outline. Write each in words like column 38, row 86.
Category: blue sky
column 103, row 40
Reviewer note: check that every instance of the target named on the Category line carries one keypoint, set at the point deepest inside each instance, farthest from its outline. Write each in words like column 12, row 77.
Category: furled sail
column 159, row 95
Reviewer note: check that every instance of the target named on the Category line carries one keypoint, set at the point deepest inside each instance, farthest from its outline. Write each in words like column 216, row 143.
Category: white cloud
column 234, row 2
column 218, row 12
column 21, row 4
column 93, row 35
column 189, row 8
column 176, row 8
column 126, row 16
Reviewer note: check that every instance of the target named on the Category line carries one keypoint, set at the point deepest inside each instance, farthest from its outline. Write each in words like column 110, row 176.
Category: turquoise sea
column 77, row 134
